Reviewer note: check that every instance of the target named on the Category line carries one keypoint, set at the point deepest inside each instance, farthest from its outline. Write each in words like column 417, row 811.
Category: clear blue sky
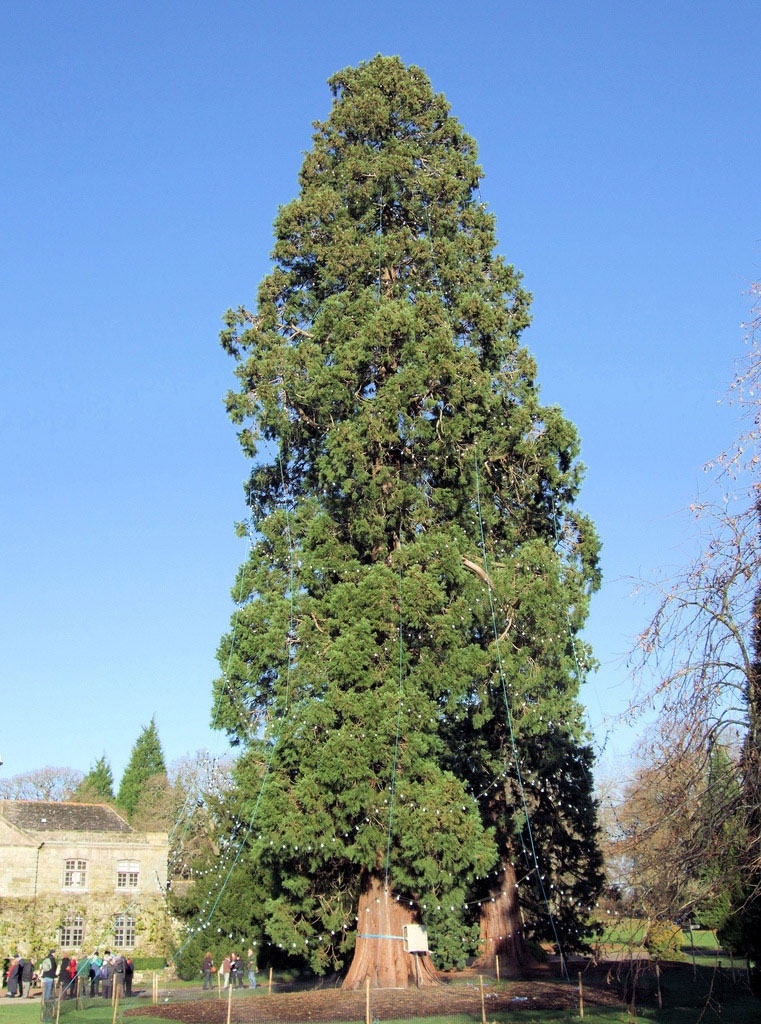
column 147, row 146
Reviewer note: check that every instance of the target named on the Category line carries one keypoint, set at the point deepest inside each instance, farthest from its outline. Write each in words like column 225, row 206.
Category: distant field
column 623, row 931
column 702, row 939
column 631, row 931
column 628, row 934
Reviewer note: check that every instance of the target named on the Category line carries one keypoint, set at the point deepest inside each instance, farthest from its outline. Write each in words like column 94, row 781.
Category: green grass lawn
column 21, row 1011
column 702, row 939
column 627, row 931
column 629, row 934
column 740, row 1011
column 631, row 931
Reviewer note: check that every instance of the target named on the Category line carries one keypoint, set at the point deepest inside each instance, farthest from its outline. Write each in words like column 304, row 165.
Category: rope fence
column 282, row 997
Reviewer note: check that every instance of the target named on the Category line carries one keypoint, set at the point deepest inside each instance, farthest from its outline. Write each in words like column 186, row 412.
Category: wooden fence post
column 269, row 985
column 229, row 1001
column 496, row 964
column 581, row 998
column 368, row 1019
column 483, row 1003
column 116, row 1003
column 658, row 983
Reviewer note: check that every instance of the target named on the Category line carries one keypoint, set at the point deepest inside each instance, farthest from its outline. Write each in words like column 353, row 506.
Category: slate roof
column 57, row 816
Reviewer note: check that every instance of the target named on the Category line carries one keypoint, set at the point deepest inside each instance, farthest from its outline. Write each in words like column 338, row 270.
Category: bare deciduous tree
column 698, row 664
column 699, row 644
column 182, row 803
column 41, row 784
column 676, row 833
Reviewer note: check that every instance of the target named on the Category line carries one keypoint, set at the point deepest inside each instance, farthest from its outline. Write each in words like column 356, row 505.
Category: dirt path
column 326, row 1005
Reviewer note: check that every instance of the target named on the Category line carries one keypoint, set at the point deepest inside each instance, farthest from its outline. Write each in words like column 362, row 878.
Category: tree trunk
column 502, row 929
column 379, row 954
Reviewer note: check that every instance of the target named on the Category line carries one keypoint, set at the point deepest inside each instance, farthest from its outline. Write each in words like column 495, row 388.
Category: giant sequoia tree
column 380, row 378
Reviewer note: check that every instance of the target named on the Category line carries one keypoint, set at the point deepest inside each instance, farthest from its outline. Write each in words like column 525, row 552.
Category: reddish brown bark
column 502, row 929
column 379, row 954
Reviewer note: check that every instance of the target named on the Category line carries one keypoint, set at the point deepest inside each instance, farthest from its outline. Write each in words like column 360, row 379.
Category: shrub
column 535, row 950
column 663, row 941
column 148, row 963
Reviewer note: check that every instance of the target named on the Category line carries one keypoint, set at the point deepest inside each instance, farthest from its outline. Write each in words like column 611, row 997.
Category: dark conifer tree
column 98, row 784
column 146, row 761
column 520, row 740
column 379, row 375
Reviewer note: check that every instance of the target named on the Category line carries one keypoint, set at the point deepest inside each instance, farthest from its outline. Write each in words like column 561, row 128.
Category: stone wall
column 102, row 854
column 18, row 860
column 32, row 926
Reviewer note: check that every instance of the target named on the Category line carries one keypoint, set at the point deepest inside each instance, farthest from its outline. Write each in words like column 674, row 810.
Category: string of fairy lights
column 241, row 826
column 230, row 849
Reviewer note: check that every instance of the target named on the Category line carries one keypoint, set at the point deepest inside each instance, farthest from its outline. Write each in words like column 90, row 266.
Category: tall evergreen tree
column 724, row 839
column 146, row 761
column 380, row 375
column 98, row 784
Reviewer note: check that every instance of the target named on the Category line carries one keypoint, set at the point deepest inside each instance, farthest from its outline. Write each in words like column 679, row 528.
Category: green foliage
column 537, row 951
column 148, row 963
column 146, row 761
column 663, row 941
column 222, row 913
column 187, row 962
column 98, row 784
column 381, row 387
column 724, row 841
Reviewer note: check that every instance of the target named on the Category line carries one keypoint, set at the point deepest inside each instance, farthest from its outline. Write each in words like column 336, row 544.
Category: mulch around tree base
column 336, row 1005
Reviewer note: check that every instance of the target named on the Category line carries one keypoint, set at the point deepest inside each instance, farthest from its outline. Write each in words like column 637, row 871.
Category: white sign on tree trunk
column 415, row 938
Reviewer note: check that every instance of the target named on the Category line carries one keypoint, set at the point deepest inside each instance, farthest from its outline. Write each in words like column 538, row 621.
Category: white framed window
column 127, row 874
column 124, row 931
column 71, row 932
column 74, row 874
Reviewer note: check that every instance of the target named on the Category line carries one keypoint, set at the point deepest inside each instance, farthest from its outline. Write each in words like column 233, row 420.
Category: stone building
column 77, row 877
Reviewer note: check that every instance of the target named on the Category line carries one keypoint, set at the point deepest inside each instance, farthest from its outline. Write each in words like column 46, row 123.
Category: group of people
column 105, row 975
column 21, row 975
column 110, row 974
column 232, row 970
